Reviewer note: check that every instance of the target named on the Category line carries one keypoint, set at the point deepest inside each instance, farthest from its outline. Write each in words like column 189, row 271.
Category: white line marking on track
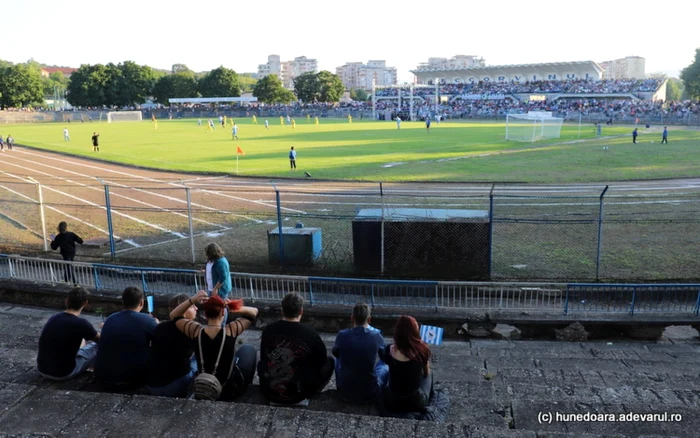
column 66, row 214
column 85, row 201
column 124, row 196
column 155, row 180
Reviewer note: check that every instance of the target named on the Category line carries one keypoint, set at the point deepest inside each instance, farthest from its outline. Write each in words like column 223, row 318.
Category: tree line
column 129, row 84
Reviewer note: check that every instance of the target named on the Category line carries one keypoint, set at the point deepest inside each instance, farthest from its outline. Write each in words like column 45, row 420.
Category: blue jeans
column 178, row 387
column 381, row 370
column 84, row 359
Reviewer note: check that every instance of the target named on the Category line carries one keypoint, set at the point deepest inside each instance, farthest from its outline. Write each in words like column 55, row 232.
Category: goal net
column 124, row 116
column 533, row 126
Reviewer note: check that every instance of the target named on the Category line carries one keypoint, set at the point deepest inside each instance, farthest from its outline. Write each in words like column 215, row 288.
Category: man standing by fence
column 66, row 241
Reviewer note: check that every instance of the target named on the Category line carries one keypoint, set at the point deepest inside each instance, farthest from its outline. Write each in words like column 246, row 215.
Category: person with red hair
column 216, row 337
column 410, row 379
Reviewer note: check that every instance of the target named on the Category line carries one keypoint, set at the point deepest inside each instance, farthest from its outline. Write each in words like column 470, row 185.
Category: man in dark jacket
column 66, row 241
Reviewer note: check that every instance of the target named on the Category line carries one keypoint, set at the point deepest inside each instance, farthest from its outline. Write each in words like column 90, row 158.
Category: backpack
column 207, row 386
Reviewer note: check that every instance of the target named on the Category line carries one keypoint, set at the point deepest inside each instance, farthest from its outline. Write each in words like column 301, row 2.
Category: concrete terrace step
column 27, row 410
column 496, row 389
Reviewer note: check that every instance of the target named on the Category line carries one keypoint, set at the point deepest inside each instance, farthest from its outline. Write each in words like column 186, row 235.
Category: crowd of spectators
column 183, row 356
column 574, row 86
column 488, row 108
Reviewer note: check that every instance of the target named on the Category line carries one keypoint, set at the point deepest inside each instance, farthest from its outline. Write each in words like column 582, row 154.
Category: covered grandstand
column 517, row 73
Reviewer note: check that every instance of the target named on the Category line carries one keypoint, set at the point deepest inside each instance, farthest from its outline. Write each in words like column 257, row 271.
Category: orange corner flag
column 239, row 151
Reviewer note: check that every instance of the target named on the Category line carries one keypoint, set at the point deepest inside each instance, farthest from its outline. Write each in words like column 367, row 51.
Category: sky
column 241, row 34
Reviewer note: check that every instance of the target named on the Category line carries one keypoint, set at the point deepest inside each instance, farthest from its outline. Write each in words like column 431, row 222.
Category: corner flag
column 239, row 151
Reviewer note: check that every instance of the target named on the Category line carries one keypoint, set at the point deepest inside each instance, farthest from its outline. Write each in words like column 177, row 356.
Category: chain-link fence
column 448, row 232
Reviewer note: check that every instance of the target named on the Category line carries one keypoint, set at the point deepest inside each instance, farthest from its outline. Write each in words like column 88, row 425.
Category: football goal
column 533, row 126
column 124, row 116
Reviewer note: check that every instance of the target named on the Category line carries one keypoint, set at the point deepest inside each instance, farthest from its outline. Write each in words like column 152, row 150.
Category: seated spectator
column 294, row 363
column 215, row 343
column 122, row 359
column 60, row 354
column 172, row 365
column 410, row 379
column 359, row 375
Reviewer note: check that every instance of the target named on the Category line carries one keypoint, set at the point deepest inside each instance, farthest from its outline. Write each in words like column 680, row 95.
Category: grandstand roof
column 516, row 66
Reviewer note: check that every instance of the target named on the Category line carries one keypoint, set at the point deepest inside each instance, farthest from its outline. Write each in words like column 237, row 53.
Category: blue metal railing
column 552, row 298
column 632, row 298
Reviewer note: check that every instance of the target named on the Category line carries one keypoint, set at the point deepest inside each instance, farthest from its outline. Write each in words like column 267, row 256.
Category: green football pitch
column 378, row 151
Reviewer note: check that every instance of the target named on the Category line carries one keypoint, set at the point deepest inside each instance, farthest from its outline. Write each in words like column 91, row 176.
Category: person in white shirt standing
column 398, row 122
column 66, row 136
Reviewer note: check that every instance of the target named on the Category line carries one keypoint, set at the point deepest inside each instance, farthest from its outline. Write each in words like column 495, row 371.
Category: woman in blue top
column 220, row 274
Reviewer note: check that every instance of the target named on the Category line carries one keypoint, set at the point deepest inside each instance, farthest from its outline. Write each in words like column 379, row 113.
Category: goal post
column 124, row 116
column 533, row 126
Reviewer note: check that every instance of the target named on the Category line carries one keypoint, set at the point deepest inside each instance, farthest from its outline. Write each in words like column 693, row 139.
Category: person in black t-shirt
column 65, row 241
column 171, row 365
column 95, row 142
column 60, row 354
column 294, row 363
column 236, row 368
column 410, row 378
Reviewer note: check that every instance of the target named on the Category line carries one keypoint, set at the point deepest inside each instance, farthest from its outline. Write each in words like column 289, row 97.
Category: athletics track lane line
column 85, row 201
column 166, row 183
column 130, row 242
column 222, row 227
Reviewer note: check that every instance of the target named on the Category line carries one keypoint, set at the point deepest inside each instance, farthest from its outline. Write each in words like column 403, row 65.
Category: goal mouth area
column 124, row 116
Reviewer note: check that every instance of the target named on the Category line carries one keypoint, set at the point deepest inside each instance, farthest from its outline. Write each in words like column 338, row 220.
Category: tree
column 306, row 87
column 220, row 82
column 56, row 80
column 88, row 86
column 125, row 84
column 181, row 84
column 180, row 68
column 691, row 77
column 20, row 85
column 674, row 89
column 319, row 87
column 134, row 83
column 358, row 95
column 247, row 83
column 270, row 90
column 331, row 88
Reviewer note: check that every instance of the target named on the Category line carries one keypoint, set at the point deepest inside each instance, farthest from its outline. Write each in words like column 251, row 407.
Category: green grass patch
column 372, row 150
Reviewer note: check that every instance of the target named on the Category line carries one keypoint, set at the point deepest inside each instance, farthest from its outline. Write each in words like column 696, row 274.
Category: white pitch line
column 124, row 196
column 152, row 193
column 118, row 213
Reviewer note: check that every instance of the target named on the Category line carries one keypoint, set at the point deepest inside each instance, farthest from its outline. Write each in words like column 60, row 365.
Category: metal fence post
column 491, row 231
column 634, row 299
column 189, row 219
column 279, row 222
column 110, row 228
column 600, row 235
column 381, row 238
column 42, row 216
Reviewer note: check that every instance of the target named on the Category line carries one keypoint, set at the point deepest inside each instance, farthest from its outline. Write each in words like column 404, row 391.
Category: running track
column 138, row 194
